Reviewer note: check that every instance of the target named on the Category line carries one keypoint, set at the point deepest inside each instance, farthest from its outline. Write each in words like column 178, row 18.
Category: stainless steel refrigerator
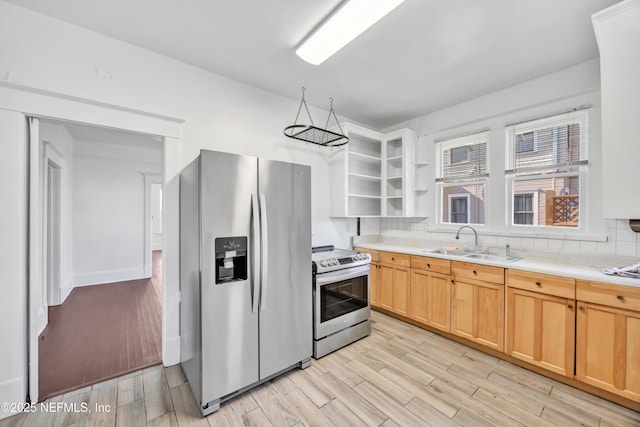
column 245, row 273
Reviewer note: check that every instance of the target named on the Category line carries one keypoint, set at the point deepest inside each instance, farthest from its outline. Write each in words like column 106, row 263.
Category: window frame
column 466, row 140
column 579, row 169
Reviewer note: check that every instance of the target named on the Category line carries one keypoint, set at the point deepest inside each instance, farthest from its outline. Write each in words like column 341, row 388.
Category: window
column 548, row 158
column 459, row 208
column 524, row 143
column 461, row 181
column 524, row 212
column 459, row 155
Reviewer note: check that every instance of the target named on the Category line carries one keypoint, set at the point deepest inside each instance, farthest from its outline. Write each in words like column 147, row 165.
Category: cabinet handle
column 581, row 308
column 620, row 297
column 538, row 284
column 453, row 281
column 393, row 259
column 570, row 306
column 428, row 265
column 475, row 272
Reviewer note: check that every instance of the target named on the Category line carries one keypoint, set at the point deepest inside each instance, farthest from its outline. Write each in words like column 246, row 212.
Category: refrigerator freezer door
column 286, row 328
column 229, row 325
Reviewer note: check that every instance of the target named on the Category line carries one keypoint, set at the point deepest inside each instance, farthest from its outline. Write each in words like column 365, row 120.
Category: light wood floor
column 400, row 375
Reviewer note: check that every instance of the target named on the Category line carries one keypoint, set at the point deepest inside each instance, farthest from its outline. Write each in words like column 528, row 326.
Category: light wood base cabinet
column 541, row 330
column 394, row 289
column 431, row 299
column 374, row 284
column 541, row 317
column 394, row 282
column 608, row 338
column 477, row 312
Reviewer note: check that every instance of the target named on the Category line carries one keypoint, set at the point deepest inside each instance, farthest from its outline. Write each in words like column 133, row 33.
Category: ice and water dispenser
column 231, row 259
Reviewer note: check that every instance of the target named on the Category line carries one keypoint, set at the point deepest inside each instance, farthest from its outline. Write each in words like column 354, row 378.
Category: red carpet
column 101, row 332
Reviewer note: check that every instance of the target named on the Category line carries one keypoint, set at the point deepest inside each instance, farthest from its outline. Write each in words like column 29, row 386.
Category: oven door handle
column 345, row 274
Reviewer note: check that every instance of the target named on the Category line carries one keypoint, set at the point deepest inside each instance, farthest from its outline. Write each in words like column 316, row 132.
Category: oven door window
column 340, row 298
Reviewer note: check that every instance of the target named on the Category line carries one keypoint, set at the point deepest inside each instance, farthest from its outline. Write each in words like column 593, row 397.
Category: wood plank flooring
column 401, row 375
column 101, row 332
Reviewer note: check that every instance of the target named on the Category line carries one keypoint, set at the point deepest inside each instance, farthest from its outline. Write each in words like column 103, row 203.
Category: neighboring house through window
column 548, row 158
column 459, row 208
column 462, row 177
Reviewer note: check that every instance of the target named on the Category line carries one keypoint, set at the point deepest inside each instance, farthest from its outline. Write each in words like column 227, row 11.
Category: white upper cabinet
column 373, row 175
column 617, row 30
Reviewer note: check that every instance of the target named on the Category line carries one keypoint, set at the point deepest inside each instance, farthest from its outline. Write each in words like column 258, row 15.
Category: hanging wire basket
column 313, row 134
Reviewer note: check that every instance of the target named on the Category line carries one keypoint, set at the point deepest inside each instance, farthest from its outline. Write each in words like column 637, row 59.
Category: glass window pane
column 463, row 203
column 553, row 202
column 459, row 154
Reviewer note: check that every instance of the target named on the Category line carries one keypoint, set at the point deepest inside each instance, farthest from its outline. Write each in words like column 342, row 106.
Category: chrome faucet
column 476, row 249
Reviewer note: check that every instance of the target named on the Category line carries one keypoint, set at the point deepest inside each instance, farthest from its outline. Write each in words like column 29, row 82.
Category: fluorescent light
column 351, row 20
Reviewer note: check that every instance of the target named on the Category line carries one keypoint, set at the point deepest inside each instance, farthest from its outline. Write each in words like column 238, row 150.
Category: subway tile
column 608, row 248
column 588, row 247
column 627, row 248
column 572, row 246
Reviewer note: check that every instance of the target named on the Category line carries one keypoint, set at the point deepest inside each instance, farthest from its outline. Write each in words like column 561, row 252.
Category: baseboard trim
column 110, row 276
column 12, row 391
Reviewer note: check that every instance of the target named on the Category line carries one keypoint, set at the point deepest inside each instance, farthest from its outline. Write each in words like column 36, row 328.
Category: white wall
column 61, row 140
column 219, row 113
column 109, row 209
column 13, row 257
column 49, row 55
column 547, row 94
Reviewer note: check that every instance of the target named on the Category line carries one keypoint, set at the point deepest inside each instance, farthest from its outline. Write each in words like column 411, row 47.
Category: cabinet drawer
column 396, row 259
column 436, row 265
column 543, row 283
column 486, row 273
column 375, row 255
column 625, row 297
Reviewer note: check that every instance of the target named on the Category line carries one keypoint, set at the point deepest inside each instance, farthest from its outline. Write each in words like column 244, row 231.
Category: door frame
column 149, row 179
column 52, row 159
column 34, row 102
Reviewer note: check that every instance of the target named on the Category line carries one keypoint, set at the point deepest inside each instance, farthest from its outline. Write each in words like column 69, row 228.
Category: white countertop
column 532, row 265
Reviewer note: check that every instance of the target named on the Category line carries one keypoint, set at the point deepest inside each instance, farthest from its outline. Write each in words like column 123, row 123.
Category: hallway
column 101, row 332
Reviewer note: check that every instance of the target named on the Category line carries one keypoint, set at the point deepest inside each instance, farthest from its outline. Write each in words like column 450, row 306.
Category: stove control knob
column 334, row 261
column 323, row 263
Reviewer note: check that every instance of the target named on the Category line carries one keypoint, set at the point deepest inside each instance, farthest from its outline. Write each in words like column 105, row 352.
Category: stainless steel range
column 341, row 298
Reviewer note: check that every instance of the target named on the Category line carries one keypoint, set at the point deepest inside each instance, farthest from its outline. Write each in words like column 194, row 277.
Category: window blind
column 464, row 158
column 552, row 144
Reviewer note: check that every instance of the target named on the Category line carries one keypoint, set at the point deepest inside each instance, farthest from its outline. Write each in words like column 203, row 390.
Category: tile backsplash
column 622, row 243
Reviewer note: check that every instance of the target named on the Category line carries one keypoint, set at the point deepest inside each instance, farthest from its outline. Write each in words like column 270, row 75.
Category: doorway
column 104, row 287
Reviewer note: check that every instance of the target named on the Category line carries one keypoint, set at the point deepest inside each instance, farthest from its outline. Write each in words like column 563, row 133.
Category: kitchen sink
column 473, row 255
column 497, row 258
column 448, row 252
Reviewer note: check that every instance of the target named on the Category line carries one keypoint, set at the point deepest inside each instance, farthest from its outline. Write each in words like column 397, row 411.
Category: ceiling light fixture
column 347, row 23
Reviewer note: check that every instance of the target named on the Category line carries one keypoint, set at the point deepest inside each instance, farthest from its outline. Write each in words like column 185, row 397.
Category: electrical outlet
column 103, row 74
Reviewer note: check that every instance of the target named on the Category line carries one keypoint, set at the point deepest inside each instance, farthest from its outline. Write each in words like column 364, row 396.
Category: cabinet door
column 385, row 295
column 400, row 297
column 440, row 301
column 374, row 285
column 477, row 312
column 419, row 296
column 431, row 299
column 541, row 330
column 608, row 349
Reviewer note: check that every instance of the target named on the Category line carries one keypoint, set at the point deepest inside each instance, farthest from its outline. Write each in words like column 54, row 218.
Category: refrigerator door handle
column 255, row 208
column 264, row 247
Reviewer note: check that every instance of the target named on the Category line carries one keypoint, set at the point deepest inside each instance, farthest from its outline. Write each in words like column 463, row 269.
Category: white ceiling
column 424, row 56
